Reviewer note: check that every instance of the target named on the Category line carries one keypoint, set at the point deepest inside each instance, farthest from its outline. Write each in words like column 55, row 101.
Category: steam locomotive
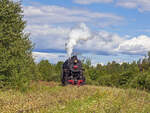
column 72, row 72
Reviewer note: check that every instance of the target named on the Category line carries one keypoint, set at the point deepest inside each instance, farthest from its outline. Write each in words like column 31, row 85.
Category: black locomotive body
column 72, row 72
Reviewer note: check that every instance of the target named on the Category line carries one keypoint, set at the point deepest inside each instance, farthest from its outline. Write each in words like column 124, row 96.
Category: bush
column 47, row 71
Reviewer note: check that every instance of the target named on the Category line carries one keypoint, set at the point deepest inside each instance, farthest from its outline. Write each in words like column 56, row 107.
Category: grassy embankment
column 53, row 98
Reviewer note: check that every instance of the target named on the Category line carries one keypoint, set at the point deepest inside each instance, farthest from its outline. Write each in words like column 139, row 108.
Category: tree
column 47, row 71
column 15, row 46
column 58, row 67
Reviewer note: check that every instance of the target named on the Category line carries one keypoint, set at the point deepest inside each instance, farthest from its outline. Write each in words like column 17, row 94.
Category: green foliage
column 141, row 81
column 125, row 75
column 49, row 72
column 15, row 47
column 58, row 67
column 45, row 69
column 105, row 80
column 125, row 78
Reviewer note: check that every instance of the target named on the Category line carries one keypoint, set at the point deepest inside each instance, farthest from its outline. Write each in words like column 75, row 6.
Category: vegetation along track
column 50, row 97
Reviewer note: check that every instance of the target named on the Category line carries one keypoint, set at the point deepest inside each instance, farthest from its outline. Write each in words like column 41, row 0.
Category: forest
column 18, row 68
column 125, row 75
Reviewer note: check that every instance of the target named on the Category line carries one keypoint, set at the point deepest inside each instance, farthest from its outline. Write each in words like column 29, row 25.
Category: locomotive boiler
column 72, row 72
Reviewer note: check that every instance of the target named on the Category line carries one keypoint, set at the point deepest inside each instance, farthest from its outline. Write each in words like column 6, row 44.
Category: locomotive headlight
column 75, row 61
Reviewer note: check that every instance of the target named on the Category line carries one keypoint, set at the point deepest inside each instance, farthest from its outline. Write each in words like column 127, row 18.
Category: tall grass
column 50, row 97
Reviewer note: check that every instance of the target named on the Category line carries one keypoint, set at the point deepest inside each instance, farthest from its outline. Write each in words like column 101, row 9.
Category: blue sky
column 121, row 28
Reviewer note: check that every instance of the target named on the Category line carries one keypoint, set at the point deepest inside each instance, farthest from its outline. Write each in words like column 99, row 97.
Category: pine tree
column 15, row 46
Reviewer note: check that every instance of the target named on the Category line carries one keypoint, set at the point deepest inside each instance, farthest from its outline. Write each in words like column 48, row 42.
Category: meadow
column 51, row 97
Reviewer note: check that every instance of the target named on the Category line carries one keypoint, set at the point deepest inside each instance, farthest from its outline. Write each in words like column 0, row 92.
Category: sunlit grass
column 54, row 98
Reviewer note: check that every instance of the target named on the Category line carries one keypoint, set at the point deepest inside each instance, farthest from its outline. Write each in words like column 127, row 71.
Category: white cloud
column 92, row 1
column 50, row 37
column 52, row 57
column 95, row 59
column 15, row 0
column 46, row 23
column 44, row 55
column 136, row 45
column 45, row 30
column 127, row 4
column 109, row 43
column 52, row 14
column 141, row 5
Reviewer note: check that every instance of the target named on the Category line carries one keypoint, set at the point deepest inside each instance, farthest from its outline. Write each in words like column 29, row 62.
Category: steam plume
column 80, row 33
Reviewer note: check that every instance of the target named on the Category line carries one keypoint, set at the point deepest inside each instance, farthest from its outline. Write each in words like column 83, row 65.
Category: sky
column 120, row 28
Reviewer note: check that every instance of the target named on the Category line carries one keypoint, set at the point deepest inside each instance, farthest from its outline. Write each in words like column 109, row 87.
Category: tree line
column 113, row 74
column 18, row 69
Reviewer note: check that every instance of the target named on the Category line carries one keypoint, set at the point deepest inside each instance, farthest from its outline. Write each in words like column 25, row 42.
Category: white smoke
column 80, row 33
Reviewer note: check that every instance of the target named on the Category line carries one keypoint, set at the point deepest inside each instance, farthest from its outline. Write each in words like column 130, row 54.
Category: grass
column 53, row 98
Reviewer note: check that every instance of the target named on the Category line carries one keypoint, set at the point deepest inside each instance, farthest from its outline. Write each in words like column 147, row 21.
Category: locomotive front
column 72, row 72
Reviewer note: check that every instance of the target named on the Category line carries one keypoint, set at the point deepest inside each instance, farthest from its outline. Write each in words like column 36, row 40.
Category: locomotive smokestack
column 80, row 33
